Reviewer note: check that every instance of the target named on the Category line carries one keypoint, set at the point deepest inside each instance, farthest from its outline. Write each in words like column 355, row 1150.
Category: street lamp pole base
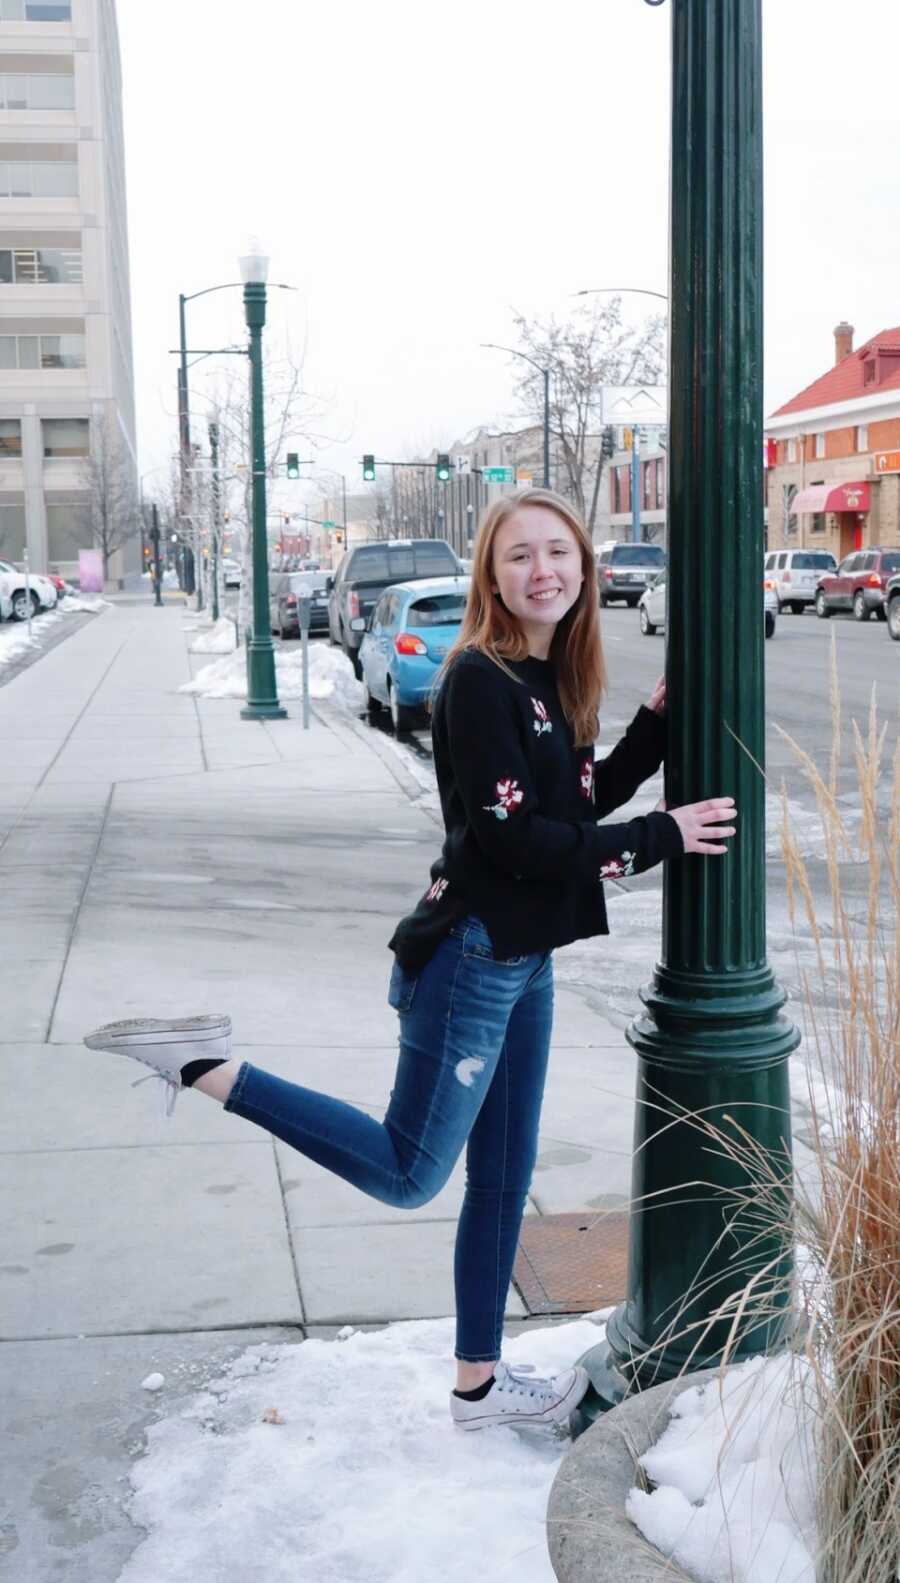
column 262, row 693
column 263, row 712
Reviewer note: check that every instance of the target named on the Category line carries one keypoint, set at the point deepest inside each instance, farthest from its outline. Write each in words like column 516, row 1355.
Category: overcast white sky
column 418, row 170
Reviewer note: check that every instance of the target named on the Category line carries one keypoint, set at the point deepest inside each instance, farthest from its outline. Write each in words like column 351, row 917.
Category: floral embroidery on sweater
column 436, row 891
column 543, row 722
column 509, row 795
column 587, row 778
column 618, row 867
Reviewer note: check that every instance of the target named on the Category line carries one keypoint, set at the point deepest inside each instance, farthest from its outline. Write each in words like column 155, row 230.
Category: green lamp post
column 712, row 1042
column 262, row 697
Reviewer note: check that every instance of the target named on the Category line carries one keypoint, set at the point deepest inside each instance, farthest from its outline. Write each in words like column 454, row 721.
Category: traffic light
column 443, row 467
column 293, row 464
column 369, row 469
column 339, row 538
column 628, row 439
column 608, row 441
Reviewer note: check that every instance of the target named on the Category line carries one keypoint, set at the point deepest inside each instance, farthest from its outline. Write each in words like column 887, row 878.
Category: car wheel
column 822, row 610
column 20, row 605
column 373, row 705
column 893, row 619
column 353, row 657
column 403, row 719
column 647, row 626
column 603, row 601
column 861, row 610
column 770, row 624
column 797, row 606
column 881, row 613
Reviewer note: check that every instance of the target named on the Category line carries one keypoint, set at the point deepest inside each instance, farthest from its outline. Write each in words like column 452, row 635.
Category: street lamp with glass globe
column 262, row 697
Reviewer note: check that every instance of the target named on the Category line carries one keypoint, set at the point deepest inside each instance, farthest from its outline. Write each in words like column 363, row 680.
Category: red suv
column 858, row 584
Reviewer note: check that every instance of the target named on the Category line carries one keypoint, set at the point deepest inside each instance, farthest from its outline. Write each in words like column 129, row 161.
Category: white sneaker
column 166, row 1045
column 519, row 1396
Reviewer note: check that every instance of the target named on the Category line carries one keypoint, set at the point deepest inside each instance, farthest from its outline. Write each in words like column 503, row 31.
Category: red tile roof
column 845, row 380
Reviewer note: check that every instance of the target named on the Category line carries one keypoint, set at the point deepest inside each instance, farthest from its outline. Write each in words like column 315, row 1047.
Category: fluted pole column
column 712, row 1039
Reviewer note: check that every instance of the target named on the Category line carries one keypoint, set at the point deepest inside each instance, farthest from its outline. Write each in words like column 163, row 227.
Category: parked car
column 60, row 584
column 12, row 583
column 795, row 574
column 231, row 572
column 368, row 570
column 404, row 643
column 5, row 606
column 892, row 606
column 286, row 589
column 623, row 569
column 652, row 605
column 858, row 584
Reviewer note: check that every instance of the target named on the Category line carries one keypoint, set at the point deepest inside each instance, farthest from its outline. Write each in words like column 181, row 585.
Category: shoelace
column 171, row 1089
column 539, row 1386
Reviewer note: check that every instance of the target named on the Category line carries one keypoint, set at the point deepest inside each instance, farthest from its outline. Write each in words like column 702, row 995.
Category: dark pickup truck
column 368, row 570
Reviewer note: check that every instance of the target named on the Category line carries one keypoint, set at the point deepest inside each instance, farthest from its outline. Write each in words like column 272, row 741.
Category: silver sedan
column 652, row 606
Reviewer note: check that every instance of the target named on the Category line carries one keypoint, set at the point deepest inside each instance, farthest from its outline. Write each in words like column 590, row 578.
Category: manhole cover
column 572, row 1264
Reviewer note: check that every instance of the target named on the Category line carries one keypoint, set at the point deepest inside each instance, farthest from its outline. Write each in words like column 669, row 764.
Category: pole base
column 608, row 1387
column 263, row 712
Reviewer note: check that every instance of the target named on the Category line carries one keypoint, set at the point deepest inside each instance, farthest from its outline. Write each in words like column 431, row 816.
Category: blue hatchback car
column 407, row 638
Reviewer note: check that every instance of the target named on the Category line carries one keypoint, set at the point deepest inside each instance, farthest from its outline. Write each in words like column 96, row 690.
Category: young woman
column 521, row 871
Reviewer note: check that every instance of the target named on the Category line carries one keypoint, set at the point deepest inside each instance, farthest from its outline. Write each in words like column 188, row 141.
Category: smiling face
column 537, row 572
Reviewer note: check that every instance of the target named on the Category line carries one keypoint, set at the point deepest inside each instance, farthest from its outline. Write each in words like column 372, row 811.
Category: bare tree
column 110, row 513
column 592, row 349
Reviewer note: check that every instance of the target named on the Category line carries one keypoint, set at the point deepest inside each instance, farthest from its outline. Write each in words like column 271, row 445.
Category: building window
column 648, row 485
column 862, row 437
column 817, row 522
column 37, row 90
column 12, row 532
column 660, row 484
column 68, row 529
column 66, row 436
column 38, row 178
column 10, row 437
column 792, row 450
column 40, row 266
column 35, row 10
column 820, row 444
column 42, row 351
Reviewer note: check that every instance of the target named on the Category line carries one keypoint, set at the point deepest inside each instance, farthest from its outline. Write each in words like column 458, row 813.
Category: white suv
column 795, row 575
column 12, row 583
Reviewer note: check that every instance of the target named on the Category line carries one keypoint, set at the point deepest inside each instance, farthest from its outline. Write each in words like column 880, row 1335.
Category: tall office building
column 67, row 427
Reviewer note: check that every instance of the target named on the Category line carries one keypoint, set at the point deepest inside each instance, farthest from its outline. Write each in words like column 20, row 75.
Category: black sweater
column 523, row 849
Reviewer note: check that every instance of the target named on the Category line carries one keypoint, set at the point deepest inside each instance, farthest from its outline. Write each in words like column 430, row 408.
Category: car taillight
column 787, row 577
column 874, row 581
column 607, row 572
column 291, row 599
column 768, row 582
column 408, row 643
column 353, row 603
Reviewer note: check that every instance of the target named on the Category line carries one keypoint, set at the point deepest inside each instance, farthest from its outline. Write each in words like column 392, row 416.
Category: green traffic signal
column 369, row 469
column 443, row 467
column 293, row 464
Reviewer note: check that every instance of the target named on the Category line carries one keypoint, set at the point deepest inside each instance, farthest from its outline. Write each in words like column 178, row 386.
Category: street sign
column 329, row 525
column 886, row 461
column 498, row 475
column 462, row 464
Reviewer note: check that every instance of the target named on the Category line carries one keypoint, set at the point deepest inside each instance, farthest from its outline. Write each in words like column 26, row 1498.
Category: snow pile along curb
column 330, row 676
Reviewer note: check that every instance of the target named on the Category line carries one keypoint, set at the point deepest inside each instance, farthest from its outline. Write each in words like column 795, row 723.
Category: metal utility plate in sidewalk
column 572, row 1264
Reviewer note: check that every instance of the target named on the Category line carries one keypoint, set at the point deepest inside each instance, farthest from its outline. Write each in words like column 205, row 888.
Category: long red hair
column 576, row 649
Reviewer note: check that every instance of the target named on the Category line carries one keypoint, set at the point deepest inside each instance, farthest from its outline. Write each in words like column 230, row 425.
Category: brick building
column 834, row 451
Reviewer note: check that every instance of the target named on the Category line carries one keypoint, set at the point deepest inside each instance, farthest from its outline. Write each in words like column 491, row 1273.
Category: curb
column 588, row 1534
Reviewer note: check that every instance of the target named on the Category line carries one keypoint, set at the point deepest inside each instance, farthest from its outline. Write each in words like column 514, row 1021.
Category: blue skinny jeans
column 474, row 1042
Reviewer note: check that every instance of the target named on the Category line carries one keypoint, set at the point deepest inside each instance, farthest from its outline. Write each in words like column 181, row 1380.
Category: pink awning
column 831, row 497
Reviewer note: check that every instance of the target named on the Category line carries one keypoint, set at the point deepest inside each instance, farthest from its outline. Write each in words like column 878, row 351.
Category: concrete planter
column 588, row 1534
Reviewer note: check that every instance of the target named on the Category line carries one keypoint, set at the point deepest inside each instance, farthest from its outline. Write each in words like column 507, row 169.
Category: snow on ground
column 364, row 1481
column 14, row 639
column 735, row 1477
column 330, row 676
column 219, row 637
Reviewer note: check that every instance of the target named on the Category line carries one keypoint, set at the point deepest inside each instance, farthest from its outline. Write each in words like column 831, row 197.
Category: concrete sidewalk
column 161, row 855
